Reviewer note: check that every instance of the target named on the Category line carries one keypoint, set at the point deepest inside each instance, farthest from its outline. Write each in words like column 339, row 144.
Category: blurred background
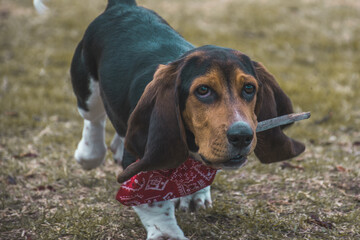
column 311, row 46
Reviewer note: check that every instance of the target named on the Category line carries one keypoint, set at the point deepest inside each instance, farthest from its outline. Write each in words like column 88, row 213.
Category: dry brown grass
column 312, row 47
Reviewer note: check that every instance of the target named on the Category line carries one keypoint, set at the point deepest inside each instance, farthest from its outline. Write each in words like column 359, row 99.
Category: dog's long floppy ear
column 273, row 145
column 155, row 132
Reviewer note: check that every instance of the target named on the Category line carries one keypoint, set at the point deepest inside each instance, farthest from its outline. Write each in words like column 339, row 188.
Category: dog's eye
column 203, row 91
column 205, row 94
column 249, row 89
column 248, row 92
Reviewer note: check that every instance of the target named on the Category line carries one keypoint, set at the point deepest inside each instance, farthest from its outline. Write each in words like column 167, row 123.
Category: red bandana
column 161, row 185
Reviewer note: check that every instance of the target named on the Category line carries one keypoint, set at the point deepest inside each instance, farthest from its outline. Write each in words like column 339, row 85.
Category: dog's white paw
column 157, row 235
column 159, row 220
column 198, row 200
column 90, row 156
column 117, row 148
column 91, row 150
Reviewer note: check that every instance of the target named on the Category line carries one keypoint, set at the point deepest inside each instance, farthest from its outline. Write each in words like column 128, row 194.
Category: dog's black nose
column 240, row 134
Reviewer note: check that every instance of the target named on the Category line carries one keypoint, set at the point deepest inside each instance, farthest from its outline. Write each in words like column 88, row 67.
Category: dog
column 169, row 100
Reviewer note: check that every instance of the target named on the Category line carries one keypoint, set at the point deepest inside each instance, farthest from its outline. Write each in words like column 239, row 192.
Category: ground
column 311, row 46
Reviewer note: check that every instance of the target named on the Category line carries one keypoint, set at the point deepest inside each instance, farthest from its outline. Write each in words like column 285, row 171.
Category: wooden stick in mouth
column 282, row 120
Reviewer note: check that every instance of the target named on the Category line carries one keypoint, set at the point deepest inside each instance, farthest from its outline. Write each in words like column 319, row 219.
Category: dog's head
column 208, row 103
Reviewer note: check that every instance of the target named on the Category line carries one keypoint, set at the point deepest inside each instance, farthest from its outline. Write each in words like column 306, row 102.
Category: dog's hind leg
column 91, row 149
column 117, row 148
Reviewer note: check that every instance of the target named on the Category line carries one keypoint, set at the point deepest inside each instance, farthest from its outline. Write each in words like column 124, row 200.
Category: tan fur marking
column 210, row 121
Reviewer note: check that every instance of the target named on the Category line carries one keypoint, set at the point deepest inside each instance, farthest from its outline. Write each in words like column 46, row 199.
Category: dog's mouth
column 235, row 162
column 232, row 163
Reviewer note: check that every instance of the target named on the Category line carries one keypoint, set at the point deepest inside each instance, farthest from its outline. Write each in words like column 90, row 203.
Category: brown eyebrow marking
column 212, row 79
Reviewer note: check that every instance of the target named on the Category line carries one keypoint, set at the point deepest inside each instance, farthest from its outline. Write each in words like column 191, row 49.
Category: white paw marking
column 159, row 221
column 91, row 150
column 198, row 200
column 117, row 148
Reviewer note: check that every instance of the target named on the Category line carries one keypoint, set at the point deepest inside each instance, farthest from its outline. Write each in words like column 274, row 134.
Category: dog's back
column 121, row 49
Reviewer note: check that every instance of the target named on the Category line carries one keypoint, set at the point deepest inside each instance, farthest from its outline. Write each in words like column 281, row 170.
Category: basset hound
column 169, row 100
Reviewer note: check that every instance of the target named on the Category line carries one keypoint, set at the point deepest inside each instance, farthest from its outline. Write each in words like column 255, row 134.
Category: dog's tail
column 40, row 7
column 115, row 2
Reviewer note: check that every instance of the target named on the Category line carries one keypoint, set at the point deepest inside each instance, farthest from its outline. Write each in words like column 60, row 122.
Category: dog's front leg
column 159, row 221
column 198, row 200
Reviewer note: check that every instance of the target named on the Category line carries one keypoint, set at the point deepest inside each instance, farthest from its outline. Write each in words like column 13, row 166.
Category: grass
column 313, row 49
